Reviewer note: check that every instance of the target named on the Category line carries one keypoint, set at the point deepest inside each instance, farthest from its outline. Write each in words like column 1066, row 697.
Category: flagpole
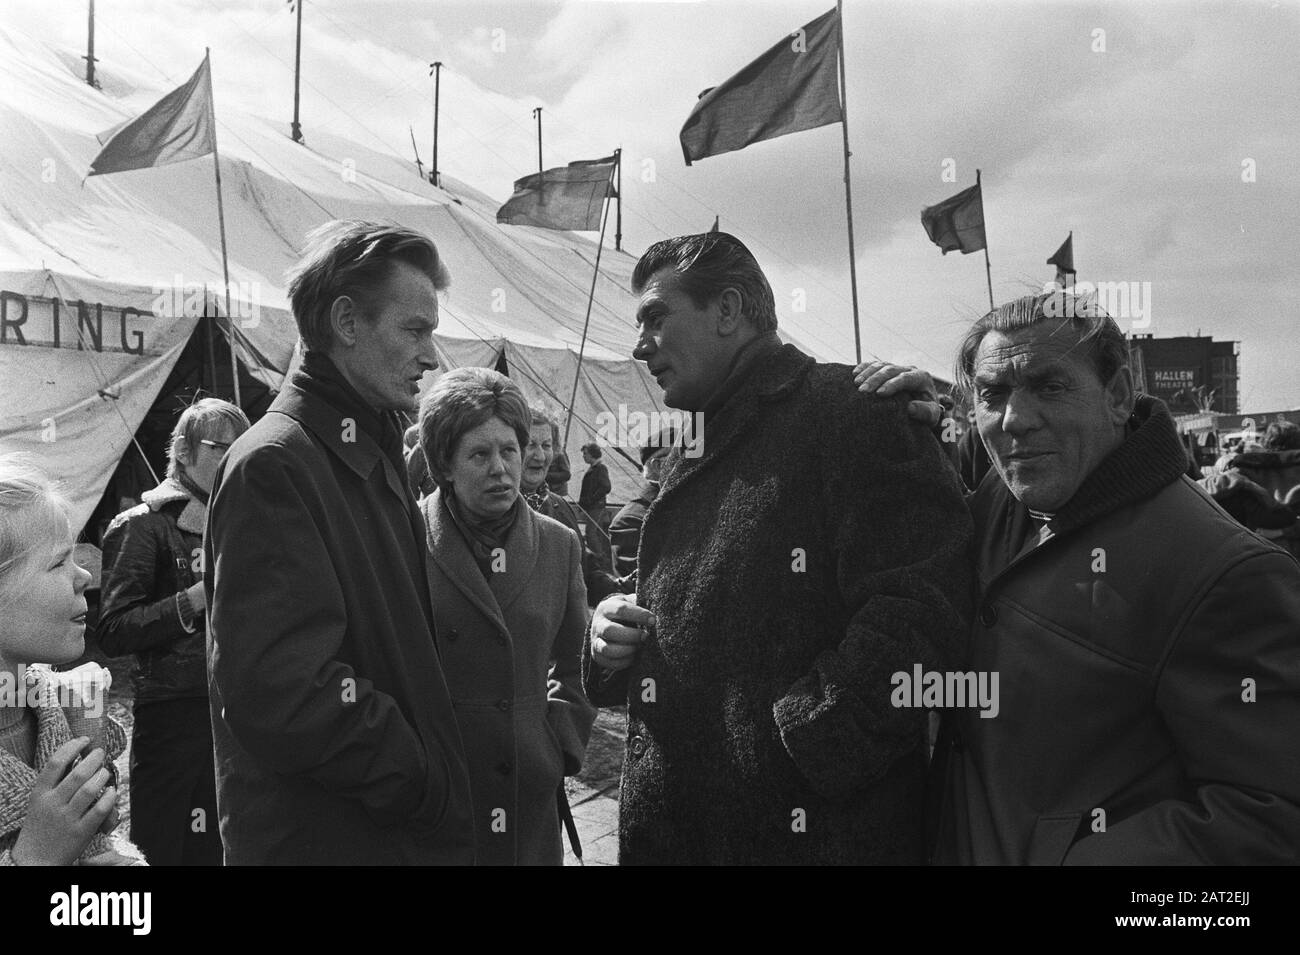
column 537, row 111
column 618, row 225
column 988, row 272
column 582, row 347
column 296, row 128
column 221, row 221
column 848, row 191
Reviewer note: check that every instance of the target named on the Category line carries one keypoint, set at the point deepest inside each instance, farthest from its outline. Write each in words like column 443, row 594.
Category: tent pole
column 586, row 322
column 225, row 265
column 848, row 192
column 209, row 347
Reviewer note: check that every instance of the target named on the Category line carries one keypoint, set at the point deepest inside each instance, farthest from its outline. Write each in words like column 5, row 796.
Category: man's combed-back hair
column 353, row 257
column 1098, row 335
column 707, row 264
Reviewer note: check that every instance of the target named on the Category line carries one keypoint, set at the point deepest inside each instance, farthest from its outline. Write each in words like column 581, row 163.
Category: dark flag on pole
column 567, row 197
column 179, row 126
column 791, row 87
column 957, row 224
column 1063, row 259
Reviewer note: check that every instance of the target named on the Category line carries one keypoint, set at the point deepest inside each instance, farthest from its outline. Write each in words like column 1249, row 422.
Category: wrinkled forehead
column 662, row 288
column 1048, row 345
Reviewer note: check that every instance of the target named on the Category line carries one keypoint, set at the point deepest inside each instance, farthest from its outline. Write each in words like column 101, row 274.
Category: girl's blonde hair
column 33, row 513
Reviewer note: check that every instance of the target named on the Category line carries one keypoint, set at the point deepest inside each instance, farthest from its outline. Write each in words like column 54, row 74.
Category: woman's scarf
column 537, row 499
column 483, row 535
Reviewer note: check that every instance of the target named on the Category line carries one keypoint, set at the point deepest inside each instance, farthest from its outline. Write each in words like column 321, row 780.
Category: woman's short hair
column 459, row 402
column 206, row 418
column 538, row 413
column 1099, row 336
column 353, row 257
column 33, row 514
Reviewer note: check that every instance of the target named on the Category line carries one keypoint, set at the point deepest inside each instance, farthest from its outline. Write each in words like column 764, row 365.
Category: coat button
column 503, row 769
column 503, row 705
column 988, row 615
column 956, row 742
column 638, row 746
column 452, row 634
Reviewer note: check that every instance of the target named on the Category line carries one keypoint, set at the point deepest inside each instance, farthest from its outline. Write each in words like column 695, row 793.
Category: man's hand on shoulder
column 885, row 379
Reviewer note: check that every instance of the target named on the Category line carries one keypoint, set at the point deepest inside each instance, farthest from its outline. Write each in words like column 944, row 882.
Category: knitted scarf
column 482, row 535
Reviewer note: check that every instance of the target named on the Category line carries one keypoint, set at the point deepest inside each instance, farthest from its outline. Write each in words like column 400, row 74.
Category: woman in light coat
column 509, row 611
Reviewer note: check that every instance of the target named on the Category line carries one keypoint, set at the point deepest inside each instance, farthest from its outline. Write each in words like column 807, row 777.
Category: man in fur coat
column 810, row 544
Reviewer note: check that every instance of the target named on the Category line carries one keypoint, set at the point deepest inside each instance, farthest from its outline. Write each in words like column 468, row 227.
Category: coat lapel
column 361, row 452
column 770, row 378
column 521, row 559
column 453, row 557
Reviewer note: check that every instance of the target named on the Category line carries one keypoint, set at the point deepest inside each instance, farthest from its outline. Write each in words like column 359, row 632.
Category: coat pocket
column 541, row 762
column 1054, row 833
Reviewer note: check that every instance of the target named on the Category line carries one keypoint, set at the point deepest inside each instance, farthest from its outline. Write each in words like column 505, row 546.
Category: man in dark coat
column 595, row 483
column 335, row 737
column 625, row 528
column 1146, row 643
column 813, row 544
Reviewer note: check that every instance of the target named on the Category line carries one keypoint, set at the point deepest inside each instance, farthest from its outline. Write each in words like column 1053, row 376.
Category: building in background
column 1190, row 374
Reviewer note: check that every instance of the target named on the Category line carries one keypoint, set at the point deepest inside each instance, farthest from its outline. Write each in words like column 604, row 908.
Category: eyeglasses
column 223, row 445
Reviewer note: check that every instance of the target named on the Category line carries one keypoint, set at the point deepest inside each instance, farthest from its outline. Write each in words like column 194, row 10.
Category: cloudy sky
column 1137, row 125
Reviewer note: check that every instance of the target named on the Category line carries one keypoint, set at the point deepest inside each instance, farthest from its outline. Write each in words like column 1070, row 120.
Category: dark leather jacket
column 148, row 559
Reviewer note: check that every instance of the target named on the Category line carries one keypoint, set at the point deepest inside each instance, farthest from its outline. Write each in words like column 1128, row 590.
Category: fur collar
column 171, row 490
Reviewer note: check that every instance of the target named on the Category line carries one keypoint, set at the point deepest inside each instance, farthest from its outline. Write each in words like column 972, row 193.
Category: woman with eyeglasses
column 153, row 606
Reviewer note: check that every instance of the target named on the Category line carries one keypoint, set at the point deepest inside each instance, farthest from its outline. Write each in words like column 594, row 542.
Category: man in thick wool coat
column 808, row 542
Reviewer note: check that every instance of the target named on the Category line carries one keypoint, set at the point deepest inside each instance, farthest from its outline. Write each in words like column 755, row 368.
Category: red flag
column 568, row 197
column 1063, row 259
column 179, row 126
column 791, row 87
column 957, row 223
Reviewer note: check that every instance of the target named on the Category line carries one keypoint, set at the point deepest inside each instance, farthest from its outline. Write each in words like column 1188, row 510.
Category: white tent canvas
column 96, row 274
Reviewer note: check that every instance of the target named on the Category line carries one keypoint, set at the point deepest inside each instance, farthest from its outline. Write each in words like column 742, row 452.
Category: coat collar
column 449, row 550
column 769, row 379
column 346, row 438
column 194, row 515
column 1149, row 460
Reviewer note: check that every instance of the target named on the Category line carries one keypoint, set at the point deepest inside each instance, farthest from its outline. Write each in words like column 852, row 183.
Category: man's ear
column 730, row 308
column 344, row 315
column 1120, row 395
